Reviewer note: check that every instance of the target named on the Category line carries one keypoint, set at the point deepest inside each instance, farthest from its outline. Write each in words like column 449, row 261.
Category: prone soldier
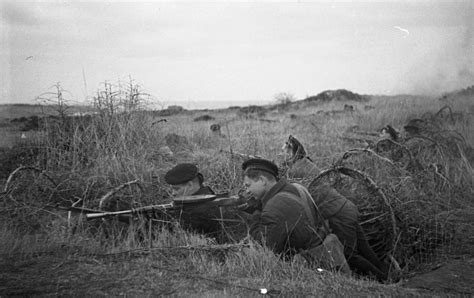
column 186, row 180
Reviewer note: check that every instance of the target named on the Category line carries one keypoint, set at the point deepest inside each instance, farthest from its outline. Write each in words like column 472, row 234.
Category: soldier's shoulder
column 283, row 199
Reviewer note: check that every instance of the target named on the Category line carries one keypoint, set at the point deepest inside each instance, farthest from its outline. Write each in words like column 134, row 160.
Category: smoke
column 447, row 68
column 19, row 14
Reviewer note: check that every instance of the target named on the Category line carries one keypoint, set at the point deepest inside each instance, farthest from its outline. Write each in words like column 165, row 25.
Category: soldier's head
column 184, row 179
column 215, row 127
column 388, row 132
column 293, row 149
column 259, row 176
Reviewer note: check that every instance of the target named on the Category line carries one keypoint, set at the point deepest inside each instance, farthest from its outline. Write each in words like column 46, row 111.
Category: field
column 423, row 203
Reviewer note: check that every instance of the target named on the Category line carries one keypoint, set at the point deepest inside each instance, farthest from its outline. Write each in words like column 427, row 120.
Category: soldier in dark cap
column 286, row 221
column 186, row 180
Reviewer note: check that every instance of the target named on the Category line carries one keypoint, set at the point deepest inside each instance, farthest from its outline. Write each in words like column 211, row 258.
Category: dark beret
column 182, row 173
column 262, row 165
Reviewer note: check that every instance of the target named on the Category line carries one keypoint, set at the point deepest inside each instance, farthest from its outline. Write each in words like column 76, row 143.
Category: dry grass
column 82, row 265
column 89, row 158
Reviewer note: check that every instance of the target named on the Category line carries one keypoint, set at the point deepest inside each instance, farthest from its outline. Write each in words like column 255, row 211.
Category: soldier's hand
column 251, row 205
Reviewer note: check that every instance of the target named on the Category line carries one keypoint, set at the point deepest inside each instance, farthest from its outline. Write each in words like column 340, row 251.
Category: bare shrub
column 251, row 112
column 170, row 111
column 284, row 98
column 204, row 118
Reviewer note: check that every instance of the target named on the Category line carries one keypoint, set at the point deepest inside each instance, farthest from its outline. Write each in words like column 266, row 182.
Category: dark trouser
column 362, row 266
column 366, row 251
column 360, row 256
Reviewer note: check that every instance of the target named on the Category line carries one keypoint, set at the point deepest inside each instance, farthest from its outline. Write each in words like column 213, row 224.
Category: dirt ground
column 84, row 276
column 70, row 275
column 456, row 274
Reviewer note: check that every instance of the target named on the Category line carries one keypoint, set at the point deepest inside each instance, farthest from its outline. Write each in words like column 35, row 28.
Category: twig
column 69, row 215
column 351, row 139
column 115, row 190
column 396, row 144
column 159, row 121
column 267, row 120
column 457, row 135
column 373, row 219
column 404, row 148
column 423, row 138
column 242, row 155
column 350, row 152
column 437, row 172
column 444, row 108
column 23, row 168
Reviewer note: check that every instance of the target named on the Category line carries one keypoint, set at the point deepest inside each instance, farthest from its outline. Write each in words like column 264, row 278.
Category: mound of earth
column 336, row 95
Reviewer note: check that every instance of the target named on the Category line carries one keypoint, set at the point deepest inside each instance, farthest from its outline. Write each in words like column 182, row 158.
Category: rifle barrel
column 79, row 209
column 227, row 201
column 162, row 207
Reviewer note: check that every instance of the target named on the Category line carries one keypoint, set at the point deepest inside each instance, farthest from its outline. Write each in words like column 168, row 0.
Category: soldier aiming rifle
column 195, row 206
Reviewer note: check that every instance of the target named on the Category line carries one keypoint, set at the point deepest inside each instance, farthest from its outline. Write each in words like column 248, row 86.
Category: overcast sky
column 235, row 53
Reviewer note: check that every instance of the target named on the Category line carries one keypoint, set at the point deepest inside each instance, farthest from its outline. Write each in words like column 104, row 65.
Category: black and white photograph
column 236, row 148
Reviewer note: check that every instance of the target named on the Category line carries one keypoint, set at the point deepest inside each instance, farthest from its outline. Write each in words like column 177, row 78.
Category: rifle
column 222, row 200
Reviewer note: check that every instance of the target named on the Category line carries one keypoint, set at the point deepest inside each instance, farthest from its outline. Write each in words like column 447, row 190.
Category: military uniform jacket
column 332, row 204
column 201, row 218
column 284, row 224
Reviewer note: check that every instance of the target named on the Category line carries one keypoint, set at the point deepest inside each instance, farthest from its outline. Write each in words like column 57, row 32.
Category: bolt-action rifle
column 222, row 200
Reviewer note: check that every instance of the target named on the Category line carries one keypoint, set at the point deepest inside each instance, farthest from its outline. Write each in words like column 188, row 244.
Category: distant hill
column 13, row 111
column 337, row 95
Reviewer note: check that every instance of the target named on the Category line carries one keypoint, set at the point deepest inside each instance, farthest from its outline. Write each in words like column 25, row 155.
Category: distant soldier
column 186, row 180
column 348, row 108
column 416, row 127
column 388, row 132
column 299, row 164
column 216, row 129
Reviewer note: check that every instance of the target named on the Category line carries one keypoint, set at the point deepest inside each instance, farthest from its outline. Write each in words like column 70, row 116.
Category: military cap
column 262, row 165
column 182, row 173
